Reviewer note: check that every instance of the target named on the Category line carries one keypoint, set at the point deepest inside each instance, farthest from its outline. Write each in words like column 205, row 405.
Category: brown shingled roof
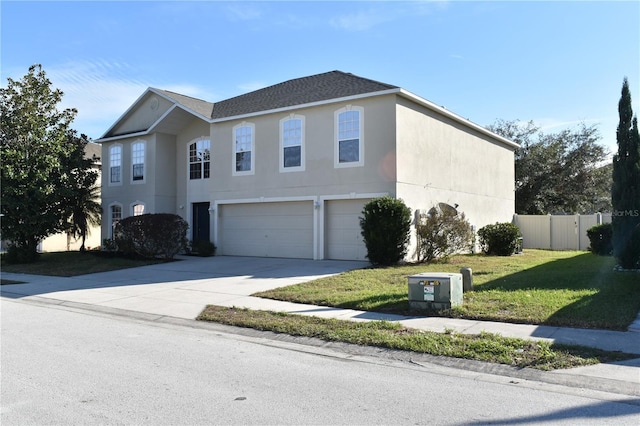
column 196, row 105
column 299, row 91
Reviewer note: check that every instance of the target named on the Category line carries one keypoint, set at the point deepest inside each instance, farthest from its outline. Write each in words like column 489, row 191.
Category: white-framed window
column 115, row 165
column 349, row 145
column 292, row 143
column 137, row 208
column 137, row 162
column 243, row 149
column 200, row 159
column 115, row 216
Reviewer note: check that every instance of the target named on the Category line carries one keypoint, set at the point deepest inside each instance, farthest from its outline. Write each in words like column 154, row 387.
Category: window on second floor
column 115, row 164
column 200, row 159
column 137, row 161
column 349, row 146
column 243, row 140
column 292, row 143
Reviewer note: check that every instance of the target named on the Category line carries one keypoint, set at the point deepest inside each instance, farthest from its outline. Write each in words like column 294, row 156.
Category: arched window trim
column 204, row 169
column 282, row 150
column 112, row 222
column 340, row 138
column 132, row 208
column 138, row 169
column 115, row 165
column 243, row 146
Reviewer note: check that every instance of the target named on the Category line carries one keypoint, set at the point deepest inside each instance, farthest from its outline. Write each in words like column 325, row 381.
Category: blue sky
column 556, row 63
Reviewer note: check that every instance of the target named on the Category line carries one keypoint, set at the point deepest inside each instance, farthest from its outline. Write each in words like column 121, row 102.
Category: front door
column 200, row 222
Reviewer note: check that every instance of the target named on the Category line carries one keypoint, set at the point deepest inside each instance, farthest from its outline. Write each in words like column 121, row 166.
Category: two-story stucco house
column 284, row 171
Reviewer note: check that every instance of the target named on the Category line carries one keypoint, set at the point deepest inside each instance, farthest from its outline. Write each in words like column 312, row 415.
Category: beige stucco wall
column 320, row 177
column 439, row 160
column 64, row 242
column 150, row 109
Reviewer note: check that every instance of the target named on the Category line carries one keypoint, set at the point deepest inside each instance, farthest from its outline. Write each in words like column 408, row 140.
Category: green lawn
column 483, row 347
column 72, row 263
column 563, row 288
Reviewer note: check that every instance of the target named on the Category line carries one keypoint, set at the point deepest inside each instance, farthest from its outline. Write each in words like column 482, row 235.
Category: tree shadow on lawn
column 582, row 291
column 598, row 296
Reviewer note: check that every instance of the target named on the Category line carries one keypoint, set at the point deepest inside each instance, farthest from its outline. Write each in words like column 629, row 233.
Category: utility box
column 435, row 290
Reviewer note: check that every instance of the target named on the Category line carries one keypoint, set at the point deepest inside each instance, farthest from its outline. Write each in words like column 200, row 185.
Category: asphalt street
column 62, row 365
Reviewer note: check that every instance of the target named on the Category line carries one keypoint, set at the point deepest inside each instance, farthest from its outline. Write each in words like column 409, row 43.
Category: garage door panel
column 343, row 238
column 267, row 229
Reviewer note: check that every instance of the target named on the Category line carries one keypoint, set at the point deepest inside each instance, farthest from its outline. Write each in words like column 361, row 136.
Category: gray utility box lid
column 435, row 290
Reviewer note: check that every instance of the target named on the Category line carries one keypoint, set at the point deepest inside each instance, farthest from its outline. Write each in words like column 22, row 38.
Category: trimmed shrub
column 443, row 233
column 20, row 254
column 600, row 239
column 152, row 235
column 203, row 248
column 500, row 239
column 386, row 225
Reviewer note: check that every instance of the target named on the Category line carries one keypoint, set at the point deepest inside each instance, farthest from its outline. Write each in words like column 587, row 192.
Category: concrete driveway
column 179, row 289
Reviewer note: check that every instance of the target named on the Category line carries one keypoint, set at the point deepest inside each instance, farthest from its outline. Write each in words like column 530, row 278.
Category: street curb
column 556, row 377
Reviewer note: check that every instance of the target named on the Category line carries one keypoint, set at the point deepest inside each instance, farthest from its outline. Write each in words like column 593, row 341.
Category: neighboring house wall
column 64, row 242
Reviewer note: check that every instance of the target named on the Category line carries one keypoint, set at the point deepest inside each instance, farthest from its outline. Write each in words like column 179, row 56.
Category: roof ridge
column 181, row 94
column 298, row 91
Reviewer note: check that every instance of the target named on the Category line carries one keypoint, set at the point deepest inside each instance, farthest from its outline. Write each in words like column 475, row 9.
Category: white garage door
column 343, row 240
column 266, row 229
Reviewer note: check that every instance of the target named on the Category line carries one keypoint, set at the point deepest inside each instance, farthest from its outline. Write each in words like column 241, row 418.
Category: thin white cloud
column 251, row 86
column 103, row 90
column 384, row 12
column 361, row 20
column 243, row 12
column 549, row 124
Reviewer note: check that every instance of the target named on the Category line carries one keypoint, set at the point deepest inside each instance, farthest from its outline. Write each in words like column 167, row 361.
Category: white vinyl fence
column 558, row 232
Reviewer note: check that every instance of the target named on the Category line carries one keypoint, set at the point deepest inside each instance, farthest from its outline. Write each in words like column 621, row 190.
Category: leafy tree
column 625, row 192
column 386, row 225
column 557, row 172
column 34, row 138
column 82, row 194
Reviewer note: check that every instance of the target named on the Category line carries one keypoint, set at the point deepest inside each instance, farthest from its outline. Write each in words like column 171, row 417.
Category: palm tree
column 86, row 211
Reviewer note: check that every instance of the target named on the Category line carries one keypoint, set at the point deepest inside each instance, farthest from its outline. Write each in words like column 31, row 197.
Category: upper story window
column 115, row 164
column 137, row 161
column 244, row 145
column 349, row 145
column 292, row 143
column 200, row 159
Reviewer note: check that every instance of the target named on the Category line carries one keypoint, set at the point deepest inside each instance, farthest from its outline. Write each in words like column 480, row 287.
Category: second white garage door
column 266, row 229
column 343, row 239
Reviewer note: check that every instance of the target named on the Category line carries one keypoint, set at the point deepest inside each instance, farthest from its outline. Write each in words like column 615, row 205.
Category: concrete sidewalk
column 183, row 288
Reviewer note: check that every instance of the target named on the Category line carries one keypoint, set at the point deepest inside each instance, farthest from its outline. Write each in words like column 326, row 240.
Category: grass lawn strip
column 73, row 263
column 558, row 288
column 484, row 347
